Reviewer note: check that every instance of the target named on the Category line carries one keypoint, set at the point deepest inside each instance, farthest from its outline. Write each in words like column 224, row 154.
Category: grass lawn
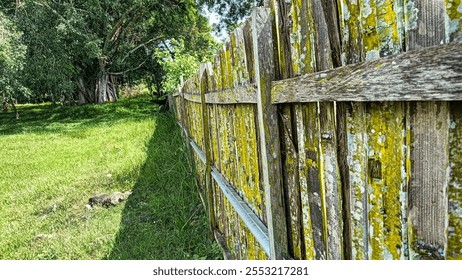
column 54, row 159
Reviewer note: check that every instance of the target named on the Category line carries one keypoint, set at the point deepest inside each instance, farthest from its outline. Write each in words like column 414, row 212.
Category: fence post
column 270, row 154
column 207, row 149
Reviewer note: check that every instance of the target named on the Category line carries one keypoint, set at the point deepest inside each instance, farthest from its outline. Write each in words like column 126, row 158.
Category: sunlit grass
column 53, row 159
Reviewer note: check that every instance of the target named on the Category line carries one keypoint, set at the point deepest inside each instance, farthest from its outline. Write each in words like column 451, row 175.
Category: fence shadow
column 163, row 218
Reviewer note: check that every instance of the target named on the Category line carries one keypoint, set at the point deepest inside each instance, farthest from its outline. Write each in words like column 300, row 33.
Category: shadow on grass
column 163, row 218
column 51, row 118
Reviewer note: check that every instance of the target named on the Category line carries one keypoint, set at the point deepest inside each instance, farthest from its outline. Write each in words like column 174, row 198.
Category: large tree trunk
column 100, row 91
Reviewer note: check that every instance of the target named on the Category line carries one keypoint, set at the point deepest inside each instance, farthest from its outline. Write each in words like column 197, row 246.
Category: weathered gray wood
column 433, row 73
column 313, row 217
column 291, row 183
column 330, row 11
column 429, row 180
column 221, row 240
column 240, row 95
column 428, row 188
column 248, row 43
column 352, row 138
column 269, row 132
column 253, row 223
column 207, row 147
column 330, row 181
column 329, row 168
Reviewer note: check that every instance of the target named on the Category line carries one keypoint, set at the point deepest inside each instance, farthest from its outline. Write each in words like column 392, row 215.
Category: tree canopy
column 12, row 57
column 230, row 11
column 86, row 48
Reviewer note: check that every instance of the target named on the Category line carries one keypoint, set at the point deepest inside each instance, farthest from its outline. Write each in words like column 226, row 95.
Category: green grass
column 55, row 157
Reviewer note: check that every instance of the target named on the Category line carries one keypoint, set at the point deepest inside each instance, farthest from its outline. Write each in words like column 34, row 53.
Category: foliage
column 12, row 58
column 56, row 158
column 88, row 46
column 183, row 64
column 230, row 11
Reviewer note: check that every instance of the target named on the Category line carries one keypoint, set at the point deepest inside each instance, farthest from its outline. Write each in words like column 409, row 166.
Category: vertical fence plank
column 291, row 184
column 372, row 29
column 269, row 134
column 428, row 200
column 310, row 183
column 310, row 202
column 205, row 73
column 455, row 184
column 386, row 179
column 352, row 138
column 326, row 40
column 330, row 182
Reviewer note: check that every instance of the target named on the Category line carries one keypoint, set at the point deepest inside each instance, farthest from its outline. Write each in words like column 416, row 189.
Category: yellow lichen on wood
column 242, row 229
column 229, row 66
column 217, row 73
column 312, row 206
column 254, row 172
column 453, row 17
column 232, row 121
column 250, row 154
column 387, row 27
column 307, row 44
column 370, row 35
column 231, row 232
column 303, row 168
column 454, row 250
column 296, row 35
column 350, row 26
column 357, row 167
column 387, row 179
column 223, row 68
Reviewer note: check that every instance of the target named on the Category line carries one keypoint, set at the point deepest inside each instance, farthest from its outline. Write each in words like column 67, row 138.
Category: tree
column 230, row 11
column 181, row 64
column 12, row 58
column 91, row 44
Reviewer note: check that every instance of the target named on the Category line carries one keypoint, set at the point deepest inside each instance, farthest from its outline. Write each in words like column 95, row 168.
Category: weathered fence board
column 331, row 130
column 429, row 74
column 428, row 198
column 269, row 133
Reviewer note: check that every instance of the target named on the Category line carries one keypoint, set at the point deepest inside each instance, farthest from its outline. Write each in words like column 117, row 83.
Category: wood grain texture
column 268, row 132
column 291, row 183
column 434, row 73
column 352, row 139
column 326, row 42
column 246, row 94
column 429, row 121
column 454, row 250
column 313, row 209
column 429, row 180
column 331, row 192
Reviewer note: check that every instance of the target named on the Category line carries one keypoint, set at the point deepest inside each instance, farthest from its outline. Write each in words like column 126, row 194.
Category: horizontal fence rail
column 332, row 130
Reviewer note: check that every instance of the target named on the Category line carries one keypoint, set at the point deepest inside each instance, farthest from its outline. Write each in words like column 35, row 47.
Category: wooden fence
column 333, row 130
